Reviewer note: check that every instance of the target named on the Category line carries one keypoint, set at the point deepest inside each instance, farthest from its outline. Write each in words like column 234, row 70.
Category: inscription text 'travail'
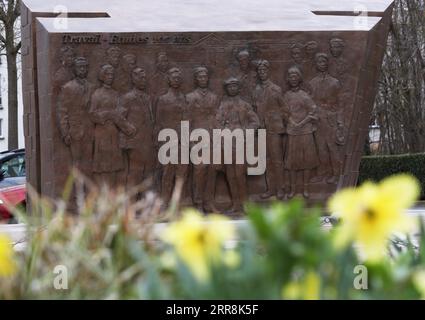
column 129, row 39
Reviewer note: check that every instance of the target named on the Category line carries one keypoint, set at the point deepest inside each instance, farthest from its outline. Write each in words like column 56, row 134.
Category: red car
column 11, row 197
column 12, row 182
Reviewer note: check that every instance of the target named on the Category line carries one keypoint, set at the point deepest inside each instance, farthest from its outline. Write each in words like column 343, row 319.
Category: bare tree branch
column 2, row 39
column 18, row 46
column 10, row 46
column 399, row 107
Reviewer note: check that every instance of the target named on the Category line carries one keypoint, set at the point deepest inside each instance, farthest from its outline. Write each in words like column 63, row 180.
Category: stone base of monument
column 101, row 86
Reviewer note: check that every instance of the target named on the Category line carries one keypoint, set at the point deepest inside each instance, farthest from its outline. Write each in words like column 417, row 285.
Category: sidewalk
column 17, row 232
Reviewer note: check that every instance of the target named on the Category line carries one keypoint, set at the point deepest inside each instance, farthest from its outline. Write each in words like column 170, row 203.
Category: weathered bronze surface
column 100, row 86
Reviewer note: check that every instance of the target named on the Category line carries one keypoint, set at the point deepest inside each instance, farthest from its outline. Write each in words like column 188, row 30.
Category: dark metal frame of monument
column 340, row 100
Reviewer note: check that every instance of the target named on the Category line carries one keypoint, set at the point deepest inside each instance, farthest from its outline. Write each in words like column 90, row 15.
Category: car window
column 14, row 167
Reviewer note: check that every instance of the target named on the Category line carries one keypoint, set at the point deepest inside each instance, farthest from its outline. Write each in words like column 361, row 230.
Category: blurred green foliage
column 284, row 253
column 377, row 168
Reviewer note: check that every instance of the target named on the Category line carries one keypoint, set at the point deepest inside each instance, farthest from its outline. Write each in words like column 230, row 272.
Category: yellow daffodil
column 7, row 262
column 199, row 242
column 371, row 213
column 419, row 282
column 168, row 260
column 308, row 288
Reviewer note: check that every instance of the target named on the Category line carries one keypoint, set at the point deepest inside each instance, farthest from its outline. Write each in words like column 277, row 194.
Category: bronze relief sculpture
column 244, row 73
column 170, row 111
column 268, row 104
column 108, row 158
column 301, row 154
column 97, row 96
column 326, row 92
column 136, row 107
column 73, row 113
column 202, row 106
column 159, row 81
column 234, row 113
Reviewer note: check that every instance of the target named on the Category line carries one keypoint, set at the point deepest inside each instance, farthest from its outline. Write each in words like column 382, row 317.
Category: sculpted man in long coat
column 62, row 76
column 202, row 107
column 170, row 111
column 326, row 91
column 135, row 106
column 270, row 110
column 66, row 72
column 73, row 109
column 246, row 76
column 159, row 82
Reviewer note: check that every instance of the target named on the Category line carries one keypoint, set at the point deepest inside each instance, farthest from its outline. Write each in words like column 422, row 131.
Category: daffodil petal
column 199, row 241
column 7, row 262
column 402, row 189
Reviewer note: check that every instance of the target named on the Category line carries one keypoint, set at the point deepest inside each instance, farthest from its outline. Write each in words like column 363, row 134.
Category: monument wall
column 97, row 95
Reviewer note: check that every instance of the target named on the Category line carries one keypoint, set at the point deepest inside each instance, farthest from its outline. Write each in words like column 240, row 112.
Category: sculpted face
column 139, row 79
column 294, row 79
column 232, row 89
column 114, row 57
column 322, row 64
column 202, row 79
column 243, row 59
column 263, row 72
column 336, row 49
column 175, row 80
column 68, row 59
column 311, row 48
column 107, row 76
column 163, row 63
column 81, row 70
column 130, row 62
column 296, row 54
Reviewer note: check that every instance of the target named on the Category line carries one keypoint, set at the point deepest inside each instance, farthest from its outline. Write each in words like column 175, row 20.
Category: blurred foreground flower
column 308, row 288
column 7, row 262
column 199, row 242
column 371, row 213
column 419, row 281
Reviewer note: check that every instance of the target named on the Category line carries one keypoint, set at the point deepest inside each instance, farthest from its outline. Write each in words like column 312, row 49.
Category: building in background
column 4, row 110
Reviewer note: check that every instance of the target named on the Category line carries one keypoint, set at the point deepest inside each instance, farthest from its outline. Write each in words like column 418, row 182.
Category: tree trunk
column 12, row 75
column 401, row 97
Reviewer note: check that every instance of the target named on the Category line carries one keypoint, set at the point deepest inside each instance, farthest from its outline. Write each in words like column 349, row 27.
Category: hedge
column 376, row 168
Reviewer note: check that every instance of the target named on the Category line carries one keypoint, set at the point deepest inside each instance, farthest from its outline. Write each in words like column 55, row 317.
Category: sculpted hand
column 340, row 138
column 132, row 130
column 312, row 117
column 67, row 140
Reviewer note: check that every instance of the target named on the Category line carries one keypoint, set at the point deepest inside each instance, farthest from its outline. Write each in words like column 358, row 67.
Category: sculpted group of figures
column 113, row 126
